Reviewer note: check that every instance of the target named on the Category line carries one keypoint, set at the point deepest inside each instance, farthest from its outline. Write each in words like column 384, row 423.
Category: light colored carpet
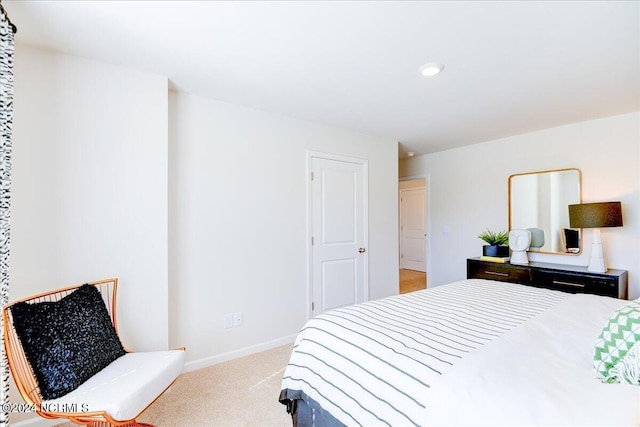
column 411, row 280
column 241, row 392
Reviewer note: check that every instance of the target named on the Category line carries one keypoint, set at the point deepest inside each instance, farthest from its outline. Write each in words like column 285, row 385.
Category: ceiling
column 510, row 67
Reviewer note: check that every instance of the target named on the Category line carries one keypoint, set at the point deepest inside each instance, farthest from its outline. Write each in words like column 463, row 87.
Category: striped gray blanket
column 373, row 364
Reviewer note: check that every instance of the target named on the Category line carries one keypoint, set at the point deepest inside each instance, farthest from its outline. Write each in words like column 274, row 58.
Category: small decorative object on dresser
column 537, row 239
column 500, row 259
column 559, row 277
column 497, row 242
column 519, row 241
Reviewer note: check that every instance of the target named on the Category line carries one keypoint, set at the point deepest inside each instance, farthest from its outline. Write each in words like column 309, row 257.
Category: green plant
column 499, row 238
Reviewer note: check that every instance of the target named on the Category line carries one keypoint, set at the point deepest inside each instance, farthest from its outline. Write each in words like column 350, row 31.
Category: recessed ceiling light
column 410, row 153
column 431, row 69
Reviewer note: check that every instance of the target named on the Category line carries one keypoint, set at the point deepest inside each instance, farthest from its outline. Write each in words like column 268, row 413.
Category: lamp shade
column 595, row 215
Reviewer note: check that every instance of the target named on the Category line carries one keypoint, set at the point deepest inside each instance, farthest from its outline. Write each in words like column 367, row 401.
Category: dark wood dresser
column 559, row 277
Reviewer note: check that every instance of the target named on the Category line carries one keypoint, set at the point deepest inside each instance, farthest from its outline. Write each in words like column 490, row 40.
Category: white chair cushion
column 125, row 387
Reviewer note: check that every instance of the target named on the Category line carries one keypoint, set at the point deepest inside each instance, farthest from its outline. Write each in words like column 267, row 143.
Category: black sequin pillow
column 67, row 341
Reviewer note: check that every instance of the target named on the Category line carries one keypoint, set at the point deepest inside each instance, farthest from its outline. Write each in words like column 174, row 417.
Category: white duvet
column 474, row 352
column 540, row 373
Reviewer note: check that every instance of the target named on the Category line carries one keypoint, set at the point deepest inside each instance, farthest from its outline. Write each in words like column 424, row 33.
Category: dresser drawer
column 575, row 283
column 496, row 271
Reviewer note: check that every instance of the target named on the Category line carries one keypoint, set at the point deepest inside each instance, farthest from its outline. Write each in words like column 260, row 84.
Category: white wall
column 468, row 190
column 89, row 196
column 238, row 223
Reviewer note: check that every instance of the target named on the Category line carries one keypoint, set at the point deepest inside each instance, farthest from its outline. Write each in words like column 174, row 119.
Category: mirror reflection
column 538, row 202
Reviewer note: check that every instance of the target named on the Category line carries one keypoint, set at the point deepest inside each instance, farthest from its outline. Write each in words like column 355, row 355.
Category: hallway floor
column 411, row 280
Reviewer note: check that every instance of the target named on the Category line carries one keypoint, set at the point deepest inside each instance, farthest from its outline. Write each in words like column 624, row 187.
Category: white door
column 412, row 229
column 339, row 240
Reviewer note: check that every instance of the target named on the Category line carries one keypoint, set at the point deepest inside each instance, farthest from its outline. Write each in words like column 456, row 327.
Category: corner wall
column 468, row 190
column 90, row 185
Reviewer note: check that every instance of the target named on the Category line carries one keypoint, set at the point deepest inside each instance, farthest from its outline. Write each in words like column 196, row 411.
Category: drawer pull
column 577, row 285
column 495, row 273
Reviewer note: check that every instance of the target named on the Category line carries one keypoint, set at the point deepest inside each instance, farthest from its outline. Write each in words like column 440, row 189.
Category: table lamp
column 596, row 216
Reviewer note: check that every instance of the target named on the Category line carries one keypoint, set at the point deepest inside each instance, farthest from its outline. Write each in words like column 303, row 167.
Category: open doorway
column 413, row 237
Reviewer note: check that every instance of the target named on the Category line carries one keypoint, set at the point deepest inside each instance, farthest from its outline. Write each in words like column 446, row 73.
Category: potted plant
column 497, row 243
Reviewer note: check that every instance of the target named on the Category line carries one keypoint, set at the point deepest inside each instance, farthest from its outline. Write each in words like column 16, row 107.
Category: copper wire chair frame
column 23, row 374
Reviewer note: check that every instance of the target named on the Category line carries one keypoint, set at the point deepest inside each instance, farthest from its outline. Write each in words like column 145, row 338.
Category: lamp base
column 596, row 260
column 597, row 266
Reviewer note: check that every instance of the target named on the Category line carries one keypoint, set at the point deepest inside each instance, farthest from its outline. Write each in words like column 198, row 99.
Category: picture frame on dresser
column 567, row 278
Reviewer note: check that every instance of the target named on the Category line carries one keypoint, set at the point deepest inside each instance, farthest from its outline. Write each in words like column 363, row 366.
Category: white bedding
column 468, row 353
column 541, row 373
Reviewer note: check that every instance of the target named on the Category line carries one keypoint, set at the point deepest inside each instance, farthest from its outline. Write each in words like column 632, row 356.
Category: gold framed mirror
column 539, row 202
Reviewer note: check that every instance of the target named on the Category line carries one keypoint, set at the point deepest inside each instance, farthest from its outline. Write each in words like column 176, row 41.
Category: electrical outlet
column 228, row 321
column 237, row 319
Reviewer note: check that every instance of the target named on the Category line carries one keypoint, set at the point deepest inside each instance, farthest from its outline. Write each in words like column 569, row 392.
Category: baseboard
column 246, row 351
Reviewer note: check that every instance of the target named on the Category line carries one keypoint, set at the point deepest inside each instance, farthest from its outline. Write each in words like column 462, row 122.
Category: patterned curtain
column 7, row 30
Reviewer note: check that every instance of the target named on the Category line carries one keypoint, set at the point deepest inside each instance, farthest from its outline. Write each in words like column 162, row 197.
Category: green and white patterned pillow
column 617, row 353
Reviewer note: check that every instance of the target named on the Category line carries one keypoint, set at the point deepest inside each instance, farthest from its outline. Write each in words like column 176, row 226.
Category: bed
column 473, row 352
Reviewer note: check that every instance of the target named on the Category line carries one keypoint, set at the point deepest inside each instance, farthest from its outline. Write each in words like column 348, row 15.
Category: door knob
column 361, row 250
